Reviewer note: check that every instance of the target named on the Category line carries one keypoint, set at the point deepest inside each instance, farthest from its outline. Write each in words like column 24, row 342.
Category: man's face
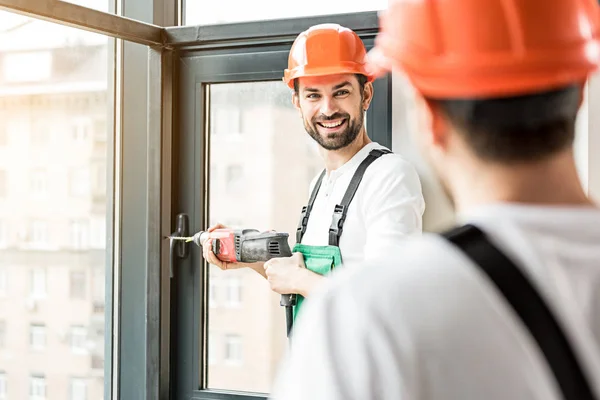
column 332, row 108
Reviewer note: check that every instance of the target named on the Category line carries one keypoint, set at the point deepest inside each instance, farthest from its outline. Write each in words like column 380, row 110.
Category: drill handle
column 287, row 300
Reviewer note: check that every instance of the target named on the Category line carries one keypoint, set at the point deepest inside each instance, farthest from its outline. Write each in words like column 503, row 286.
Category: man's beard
column 337, row 140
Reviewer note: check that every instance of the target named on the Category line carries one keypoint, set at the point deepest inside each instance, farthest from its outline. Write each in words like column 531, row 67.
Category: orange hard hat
column 326, row 49
column 493, row 48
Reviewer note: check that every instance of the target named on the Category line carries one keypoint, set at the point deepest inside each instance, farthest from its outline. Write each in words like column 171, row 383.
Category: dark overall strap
column 339, row 212
column 307, row 209
column 530, row 307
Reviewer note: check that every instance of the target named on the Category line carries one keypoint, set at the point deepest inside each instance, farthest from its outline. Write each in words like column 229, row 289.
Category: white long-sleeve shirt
column 429, row 325
column 387, row 207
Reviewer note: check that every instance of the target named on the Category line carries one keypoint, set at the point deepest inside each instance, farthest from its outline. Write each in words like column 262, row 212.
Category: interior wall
column 590, row 146
column 439, row 213
column 406, row 124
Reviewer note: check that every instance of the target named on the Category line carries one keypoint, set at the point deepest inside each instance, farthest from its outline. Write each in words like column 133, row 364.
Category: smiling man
column 367, row 199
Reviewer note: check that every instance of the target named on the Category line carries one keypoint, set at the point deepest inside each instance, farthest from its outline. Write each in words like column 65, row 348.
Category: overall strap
column 339, row 212
column 529, row 306
column 307, row 209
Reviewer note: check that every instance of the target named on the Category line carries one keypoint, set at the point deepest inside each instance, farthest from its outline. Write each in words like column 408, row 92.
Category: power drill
column 249, row 246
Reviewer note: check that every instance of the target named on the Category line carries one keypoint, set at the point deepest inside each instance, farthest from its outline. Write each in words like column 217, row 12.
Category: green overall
column 323, row 259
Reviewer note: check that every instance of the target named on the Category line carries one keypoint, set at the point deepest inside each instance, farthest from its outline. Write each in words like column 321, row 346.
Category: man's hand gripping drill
column 247, row 246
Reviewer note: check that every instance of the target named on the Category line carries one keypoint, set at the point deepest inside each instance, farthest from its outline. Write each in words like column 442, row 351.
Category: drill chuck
column 199, row 238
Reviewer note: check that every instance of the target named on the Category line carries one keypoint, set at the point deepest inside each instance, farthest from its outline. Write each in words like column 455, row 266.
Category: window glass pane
column 3, row 281
column 2, row 334
column 3, row 388
column 54, row 99
column 78, row 389
column 258, row 179
column 198, row 12
column 101, row 5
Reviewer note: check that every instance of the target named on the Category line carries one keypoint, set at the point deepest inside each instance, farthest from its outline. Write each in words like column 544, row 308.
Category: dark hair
column 516, row 129
column 362, row 81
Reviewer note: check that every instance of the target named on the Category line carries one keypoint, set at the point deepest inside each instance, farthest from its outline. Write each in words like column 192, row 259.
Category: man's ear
column 296, row 101
column 367, row 96
column 439, row 124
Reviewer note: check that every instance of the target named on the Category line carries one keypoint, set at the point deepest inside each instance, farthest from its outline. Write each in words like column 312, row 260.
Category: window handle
column 179, row 248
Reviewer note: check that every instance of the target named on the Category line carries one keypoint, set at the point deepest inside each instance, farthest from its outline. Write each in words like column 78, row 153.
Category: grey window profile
column 231, row 53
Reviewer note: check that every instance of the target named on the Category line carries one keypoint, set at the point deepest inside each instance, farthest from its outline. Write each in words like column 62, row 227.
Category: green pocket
column 318, row 259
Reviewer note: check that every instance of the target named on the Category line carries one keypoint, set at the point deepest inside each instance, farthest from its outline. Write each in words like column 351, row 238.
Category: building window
column 97, row 362
column 233, row 349
column 234, row 292
column 3, row 281
column 37, row 336
column 78, row 339
column 80, row 235
column 3, row 184
column 99, row 289
column 3, row 235
column 212, row 292
column 78, row 389
column 226, row 121
column 100, row 130
column 79, row 182
column 2, row 335
column 27, row 66
column 39, row 183
column 37, row 387
column 3, row 388
column 39, row 234
column 98, row 184
column 80, row 130
column 98, row 307
column 40, row 131
column 3, row 134
column 38, row 283
column 234, row 178
column 77, row 284
column 98, row 233
column 212, row 348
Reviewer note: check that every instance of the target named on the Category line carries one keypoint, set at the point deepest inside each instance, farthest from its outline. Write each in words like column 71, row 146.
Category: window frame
column 229, row 53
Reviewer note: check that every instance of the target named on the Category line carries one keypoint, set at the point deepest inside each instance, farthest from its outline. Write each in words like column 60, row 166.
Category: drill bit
column 186, row 238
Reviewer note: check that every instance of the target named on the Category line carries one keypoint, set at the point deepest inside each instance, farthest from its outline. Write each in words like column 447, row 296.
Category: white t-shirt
column 387, row 207
column 429, row 325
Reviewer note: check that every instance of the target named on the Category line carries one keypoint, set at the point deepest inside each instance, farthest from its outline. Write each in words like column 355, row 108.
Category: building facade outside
column 53, row 136
column 54, row 103
column 261, row 164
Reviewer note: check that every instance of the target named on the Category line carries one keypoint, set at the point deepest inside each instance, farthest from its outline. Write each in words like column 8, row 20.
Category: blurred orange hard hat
column 491, row 48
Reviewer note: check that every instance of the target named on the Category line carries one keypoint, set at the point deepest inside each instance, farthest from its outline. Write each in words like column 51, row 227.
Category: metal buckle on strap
column 303, row 222
column 337, row 221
